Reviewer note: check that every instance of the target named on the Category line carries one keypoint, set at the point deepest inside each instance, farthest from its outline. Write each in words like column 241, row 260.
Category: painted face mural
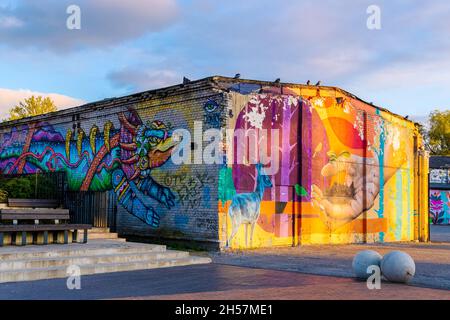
column 344, row 174
column 119, row 158
column 352, row 171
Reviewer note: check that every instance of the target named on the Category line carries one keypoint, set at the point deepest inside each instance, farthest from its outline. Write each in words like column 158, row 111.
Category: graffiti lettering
column 190, row 189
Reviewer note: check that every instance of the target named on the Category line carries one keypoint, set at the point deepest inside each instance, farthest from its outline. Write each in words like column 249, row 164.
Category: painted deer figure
column 245, row 207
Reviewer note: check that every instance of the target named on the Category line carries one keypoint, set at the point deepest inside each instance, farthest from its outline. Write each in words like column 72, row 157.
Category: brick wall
column 92, row 144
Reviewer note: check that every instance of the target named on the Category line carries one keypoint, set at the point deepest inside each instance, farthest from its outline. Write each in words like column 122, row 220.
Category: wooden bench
column 33, row 203
column 41, row 218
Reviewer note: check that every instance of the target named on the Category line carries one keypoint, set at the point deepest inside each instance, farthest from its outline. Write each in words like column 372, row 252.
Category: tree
column 437, row 137
column 32, row 106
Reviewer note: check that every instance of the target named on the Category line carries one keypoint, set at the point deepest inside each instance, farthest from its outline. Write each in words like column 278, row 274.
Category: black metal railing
column 86, row 207
column 89, row 207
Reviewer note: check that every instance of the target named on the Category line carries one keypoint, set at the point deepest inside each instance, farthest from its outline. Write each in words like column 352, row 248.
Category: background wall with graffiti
column 346, row 170
column 440, row 206
column 440, row 190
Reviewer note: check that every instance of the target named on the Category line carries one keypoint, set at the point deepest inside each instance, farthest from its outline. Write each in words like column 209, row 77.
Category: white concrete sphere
column 398, row 266
column 363, row 260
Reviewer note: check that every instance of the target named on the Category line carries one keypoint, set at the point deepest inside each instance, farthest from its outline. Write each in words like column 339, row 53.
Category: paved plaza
column 306, row 272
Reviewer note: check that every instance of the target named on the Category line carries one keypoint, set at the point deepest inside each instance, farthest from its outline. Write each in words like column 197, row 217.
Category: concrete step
column 98, row 230
column 115, row 239
column 98, row 256
column 96, row 247
column 90, row 260
column 61, row 271
column 100, row 235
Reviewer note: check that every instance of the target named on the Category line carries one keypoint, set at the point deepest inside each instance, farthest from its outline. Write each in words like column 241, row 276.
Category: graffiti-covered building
column 440, row 189
column 236, row 163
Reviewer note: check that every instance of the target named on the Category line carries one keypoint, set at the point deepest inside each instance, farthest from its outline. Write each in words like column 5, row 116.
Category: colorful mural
column 345, row 170
column 440, row 206
column 303, row 164
column 245, row 207
column 118, row 158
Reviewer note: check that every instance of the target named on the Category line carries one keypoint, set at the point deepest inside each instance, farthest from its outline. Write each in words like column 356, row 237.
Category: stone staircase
column 97, row 256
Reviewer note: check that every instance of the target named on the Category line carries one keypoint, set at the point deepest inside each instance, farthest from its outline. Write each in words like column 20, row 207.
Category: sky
column 129, row 46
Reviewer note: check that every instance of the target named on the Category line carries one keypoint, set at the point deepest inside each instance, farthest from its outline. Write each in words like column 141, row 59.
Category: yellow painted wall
column 349, row 142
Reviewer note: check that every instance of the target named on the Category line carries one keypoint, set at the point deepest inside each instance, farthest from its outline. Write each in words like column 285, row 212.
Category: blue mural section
column 119, row 159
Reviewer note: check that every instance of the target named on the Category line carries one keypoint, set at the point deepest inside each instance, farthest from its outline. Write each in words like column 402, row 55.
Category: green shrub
column 28, row 186
column 3, row 196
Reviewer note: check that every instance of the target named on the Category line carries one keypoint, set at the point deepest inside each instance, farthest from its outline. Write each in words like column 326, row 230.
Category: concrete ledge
column 178, row 243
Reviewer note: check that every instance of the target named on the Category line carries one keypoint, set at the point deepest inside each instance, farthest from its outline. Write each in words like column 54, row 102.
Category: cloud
column 262, row 39
column 326, row 40
column 404, row 65
column 413, row 86
column 133, row 79
column 300, row 40
column 42, row 23
column 10, row 22
column 341, row 62
column 9, row 98
column 419, row 73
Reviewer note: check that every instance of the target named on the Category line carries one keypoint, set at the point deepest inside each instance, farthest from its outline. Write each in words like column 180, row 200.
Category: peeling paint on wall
column 345, row 169
column 351, row 160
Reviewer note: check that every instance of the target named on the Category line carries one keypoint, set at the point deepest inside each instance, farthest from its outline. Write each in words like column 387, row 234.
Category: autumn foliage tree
column 32, row 106
column 437, row 136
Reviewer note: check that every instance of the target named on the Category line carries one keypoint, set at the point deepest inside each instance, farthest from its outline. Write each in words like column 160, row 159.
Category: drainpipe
column 296, row 214
column 416, row 187
column 424, row 227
